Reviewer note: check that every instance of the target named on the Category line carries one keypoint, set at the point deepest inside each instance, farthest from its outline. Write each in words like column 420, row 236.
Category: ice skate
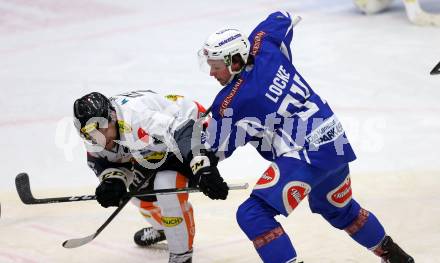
column 181, row 258
column 390, row 252
column 148, row 236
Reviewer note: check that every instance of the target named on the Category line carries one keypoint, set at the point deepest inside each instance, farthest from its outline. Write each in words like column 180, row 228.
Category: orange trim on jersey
column 188, row 215
column 200, row 109
column 154, row 210
column 256, row 46
column 228, row 99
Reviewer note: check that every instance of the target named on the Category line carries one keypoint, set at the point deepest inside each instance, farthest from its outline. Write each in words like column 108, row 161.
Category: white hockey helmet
column 222, row 45
column 372, row 6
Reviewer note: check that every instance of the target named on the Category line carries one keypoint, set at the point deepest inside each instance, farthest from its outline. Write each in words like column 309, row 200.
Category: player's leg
column 332, row 198
column 279, row 191
column 257, row 220
column 151, row 212
column 148, row 207
column 177, row 216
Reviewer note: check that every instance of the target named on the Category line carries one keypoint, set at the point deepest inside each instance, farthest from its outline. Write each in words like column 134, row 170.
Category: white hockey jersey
column 147, row 123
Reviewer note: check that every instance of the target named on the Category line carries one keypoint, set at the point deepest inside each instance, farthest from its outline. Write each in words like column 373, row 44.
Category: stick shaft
column 24, row 191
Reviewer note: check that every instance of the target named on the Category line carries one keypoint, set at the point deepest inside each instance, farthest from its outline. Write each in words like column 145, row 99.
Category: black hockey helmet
column 92, row 105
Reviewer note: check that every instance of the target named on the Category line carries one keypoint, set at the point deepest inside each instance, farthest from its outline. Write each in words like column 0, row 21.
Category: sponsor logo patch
column 171, row 221
column 156, row 156
column 196, row 166
column 173, row 97
column 269, row 178
column 229, row 39
column 230, row 97
column 124, row 127
column 341, row 195
column 257, row 43
column 327, row 132
column 293, row 193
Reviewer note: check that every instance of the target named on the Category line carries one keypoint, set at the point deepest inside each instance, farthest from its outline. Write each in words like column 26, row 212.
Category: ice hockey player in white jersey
column 141, row 140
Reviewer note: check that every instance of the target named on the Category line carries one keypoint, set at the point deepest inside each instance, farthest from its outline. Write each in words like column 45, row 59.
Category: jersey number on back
column 307, row 108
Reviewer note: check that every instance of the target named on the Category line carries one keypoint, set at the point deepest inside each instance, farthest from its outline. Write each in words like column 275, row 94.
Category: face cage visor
column 212, row 64
column 90, row 132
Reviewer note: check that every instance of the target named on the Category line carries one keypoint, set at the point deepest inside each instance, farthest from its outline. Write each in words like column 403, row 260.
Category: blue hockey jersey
column 270, row 106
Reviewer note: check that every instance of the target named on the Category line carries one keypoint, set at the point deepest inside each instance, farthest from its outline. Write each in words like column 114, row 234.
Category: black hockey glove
column 110, row 192
column 209, row 180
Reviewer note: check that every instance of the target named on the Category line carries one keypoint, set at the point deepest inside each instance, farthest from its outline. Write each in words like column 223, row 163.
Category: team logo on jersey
column 269, row 178
column 173, row 97
column 124, row 127
column 143, row 135
column 169, row 221
column 293, row 193
column 341, row 195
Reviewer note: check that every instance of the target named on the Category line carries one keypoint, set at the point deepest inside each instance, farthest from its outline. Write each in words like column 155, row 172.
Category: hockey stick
column 436, row 70
column 24, row 192
column 77, row 242
column 419, row 16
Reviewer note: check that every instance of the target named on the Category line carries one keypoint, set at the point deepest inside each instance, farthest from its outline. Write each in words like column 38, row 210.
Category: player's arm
column 276, row 30
column 114, row 179
column 175, row 122
column 201, row 159
column 189, row 134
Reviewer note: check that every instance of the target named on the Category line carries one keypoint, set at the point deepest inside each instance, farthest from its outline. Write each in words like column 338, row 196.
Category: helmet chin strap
column 233, row 73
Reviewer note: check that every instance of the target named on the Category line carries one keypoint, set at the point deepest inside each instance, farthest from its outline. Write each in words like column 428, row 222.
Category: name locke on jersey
column 327, row 131
column 323, row 130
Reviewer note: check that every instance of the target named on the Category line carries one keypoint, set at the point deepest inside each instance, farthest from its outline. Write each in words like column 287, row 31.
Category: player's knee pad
column 256, row 219
column 172, row 203
column 150, row 211
column 359, row 223
column 177, row 213
column 366, row 229
column 341, row 217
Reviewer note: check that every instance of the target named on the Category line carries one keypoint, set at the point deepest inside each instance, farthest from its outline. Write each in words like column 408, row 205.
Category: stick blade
column 23, row 188
column 238, row 186
column 77, row 242
column 436, row 70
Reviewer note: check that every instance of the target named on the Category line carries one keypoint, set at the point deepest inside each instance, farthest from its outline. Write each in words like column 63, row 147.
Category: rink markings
column 158, row 252
column 130, row 29
column 22, row 122
column 16, row 258
column 432, row 110
column 31, row 15
column 109, row 247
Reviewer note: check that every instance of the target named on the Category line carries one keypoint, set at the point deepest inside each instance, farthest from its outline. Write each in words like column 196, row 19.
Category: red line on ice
column 16, row 258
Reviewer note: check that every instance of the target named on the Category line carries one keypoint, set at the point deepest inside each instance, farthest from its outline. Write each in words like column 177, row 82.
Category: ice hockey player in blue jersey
column 267, row 103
